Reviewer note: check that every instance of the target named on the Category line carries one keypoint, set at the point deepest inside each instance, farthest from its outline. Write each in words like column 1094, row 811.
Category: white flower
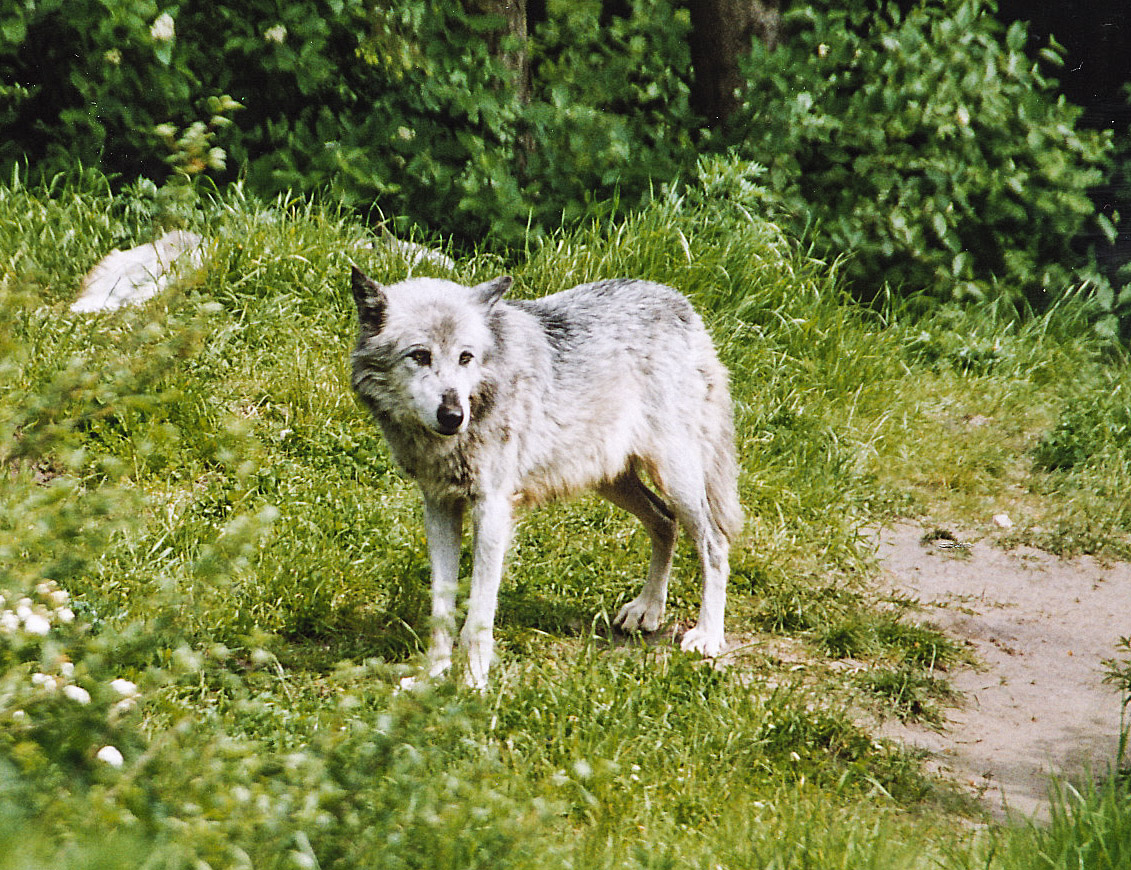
column 163, row 28
column 124, row 706
column 67, row 669
column 60, row 597
column 9, row 621
column 45, row 681
column 110, row 755
column 65, row 615
column 77, row 694
column 276, row 34
column 36, row 624
column 125, row 688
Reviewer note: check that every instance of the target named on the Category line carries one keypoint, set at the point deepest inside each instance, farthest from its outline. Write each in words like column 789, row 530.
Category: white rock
column 1002, row 521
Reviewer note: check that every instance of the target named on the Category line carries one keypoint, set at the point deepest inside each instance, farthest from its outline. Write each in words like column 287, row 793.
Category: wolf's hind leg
column 646, row 611
column 686, row 487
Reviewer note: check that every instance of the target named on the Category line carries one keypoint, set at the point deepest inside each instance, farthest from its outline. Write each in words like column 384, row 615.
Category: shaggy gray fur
column 491, row 404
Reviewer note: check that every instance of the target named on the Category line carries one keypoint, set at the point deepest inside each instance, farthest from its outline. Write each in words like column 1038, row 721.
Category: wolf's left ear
column 370, row 299
column 491, row 291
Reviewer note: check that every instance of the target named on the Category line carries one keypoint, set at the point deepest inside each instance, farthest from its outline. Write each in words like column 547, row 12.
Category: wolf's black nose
column 449, row 418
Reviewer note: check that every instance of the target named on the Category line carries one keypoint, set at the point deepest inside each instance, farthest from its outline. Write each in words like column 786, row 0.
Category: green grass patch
column 234, row 542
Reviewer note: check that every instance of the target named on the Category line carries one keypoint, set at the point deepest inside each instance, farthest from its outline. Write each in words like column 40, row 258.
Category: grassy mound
column 193, row 504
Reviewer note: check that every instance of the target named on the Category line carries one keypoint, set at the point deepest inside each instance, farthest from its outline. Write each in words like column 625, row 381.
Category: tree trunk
column 517, row 61
column 722, row 32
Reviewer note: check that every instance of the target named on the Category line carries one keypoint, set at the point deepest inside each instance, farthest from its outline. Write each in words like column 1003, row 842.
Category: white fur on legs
column 443, row 523
column 492, row 515
column 686, row 487
column 707, row 637
column 706, row 642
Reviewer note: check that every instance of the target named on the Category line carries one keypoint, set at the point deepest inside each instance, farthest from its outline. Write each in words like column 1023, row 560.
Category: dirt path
column 1040, row 627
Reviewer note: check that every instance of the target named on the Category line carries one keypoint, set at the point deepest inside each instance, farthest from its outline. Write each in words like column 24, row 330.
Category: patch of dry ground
column 1040, row 628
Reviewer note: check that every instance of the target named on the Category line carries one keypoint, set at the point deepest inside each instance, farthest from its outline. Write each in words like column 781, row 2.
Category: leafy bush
column 406, row 105
column 925, row 145
column 610, row 113
column 88, row 82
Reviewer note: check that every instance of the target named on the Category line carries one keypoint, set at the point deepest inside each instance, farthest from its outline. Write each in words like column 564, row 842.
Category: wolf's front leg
column 443, row 523
column 493, row 522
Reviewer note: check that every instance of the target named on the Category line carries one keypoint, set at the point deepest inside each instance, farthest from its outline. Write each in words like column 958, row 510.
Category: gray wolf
column 132, row 276
column 491, row 404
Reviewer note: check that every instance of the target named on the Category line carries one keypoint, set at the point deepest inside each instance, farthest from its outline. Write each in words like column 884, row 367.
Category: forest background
column 927, row 141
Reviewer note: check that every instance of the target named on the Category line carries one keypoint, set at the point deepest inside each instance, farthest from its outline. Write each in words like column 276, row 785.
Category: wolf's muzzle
column 449, row 416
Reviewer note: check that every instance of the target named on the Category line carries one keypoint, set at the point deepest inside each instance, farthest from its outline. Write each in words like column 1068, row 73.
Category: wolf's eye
column 421, row 357
column 465, row 358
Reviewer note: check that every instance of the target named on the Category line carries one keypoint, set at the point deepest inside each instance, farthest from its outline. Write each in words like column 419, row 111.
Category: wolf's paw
column 640, row 614
column 480, row 654
column 707, row 643
column 410, row 684
column 436, row 668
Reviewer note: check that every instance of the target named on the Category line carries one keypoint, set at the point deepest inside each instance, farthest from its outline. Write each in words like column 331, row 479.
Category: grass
column 235, row 541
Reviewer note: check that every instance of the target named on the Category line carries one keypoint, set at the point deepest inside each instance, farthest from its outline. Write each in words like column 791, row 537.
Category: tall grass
column 235, row 542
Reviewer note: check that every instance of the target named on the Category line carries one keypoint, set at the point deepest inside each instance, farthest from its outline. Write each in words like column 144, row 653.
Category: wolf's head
column 421, row 349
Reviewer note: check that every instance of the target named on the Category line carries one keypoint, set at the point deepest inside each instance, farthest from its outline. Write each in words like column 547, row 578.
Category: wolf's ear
column 491, row 291
column 370, row 299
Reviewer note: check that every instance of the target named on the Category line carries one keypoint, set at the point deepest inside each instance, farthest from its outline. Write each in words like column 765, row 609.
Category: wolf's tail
column 720, row 464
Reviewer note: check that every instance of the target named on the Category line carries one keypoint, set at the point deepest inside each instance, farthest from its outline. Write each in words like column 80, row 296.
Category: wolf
column 132, row 276
column 492, row 405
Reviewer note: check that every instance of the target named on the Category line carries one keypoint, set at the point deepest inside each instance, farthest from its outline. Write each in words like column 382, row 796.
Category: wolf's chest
column 441, row 468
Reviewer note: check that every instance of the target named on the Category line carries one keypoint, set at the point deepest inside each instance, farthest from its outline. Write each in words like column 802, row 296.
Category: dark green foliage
column 405, row 105
column 610, row 112
column 927, row 147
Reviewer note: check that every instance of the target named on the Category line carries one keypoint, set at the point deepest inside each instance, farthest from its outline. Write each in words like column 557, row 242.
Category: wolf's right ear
column 490, row 292
column 370, row 299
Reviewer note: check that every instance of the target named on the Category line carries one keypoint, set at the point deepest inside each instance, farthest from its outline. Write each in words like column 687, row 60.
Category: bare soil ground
column 1040, row 628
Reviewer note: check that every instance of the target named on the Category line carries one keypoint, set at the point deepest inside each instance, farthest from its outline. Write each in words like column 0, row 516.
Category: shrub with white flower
column 27, row 616
column 163, row 29
column 77, row 694
column 57, row 704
